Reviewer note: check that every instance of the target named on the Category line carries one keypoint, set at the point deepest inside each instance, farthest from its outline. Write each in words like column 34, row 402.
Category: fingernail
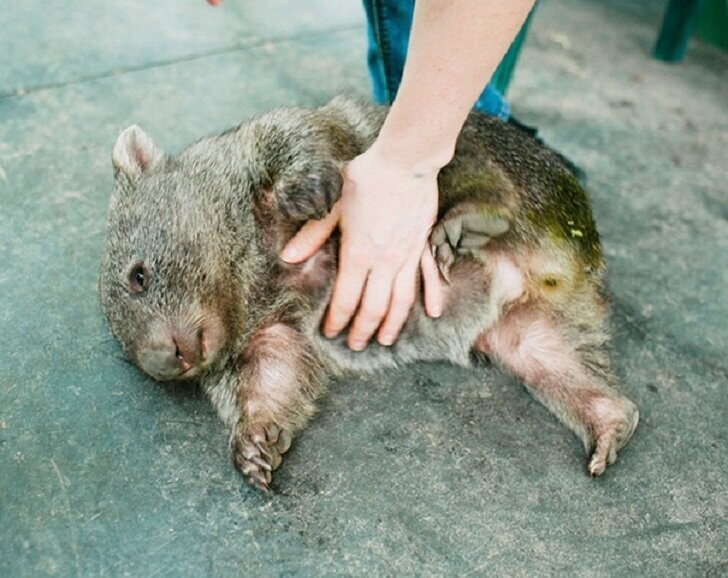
column 290, row 253
column 437, row 311
column 386, row 340
column 330, row 333
column 358, row 345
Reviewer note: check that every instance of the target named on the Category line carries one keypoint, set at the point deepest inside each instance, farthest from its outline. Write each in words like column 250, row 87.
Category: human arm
column 389, row 198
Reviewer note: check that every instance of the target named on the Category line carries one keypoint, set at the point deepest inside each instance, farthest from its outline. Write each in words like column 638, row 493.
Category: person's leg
column 388, row 24
column 493, row 103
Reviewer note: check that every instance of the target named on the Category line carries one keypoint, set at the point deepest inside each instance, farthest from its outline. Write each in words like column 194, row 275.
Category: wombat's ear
column 135, row 153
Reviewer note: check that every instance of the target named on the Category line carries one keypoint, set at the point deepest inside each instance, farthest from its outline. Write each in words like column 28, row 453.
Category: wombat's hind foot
column 607, row 437
column 463, row 230
column 566, row 369
column 257, row 452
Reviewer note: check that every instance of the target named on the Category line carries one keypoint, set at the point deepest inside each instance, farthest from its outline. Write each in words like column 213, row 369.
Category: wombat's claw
column 605, row 454
column 609, row 442
column 463, row 230
column 444, row 257
column 310, row 192
column 257, row 452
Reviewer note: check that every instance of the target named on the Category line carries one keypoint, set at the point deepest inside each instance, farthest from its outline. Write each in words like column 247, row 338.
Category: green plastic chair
column 678, row 24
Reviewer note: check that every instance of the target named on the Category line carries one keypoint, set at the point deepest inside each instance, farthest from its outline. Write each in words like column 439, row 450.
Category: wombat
column 192, row 286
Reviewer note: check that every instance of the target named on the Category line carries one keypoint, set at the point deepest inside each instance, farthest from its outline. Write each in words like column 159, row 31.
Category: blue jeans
column 389, row 23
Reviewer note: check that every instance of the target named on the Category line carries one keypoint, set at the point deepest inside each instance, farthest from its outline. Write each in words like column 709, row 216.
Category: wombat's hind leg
column 281, row 379
column 566, row 369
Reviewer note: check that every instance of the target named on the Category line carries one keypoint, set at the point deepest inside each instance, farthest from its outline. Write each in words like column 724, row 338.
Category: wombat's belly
column 479, row 291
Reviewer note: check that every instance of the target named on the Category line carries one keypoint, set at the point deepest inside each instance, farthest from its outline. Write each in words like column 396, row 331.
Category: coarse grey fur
column 192, row 286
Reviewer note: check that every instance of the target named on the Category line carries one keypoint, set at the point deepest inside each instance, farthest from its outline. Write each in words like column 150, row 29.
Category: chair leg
column 677, row 26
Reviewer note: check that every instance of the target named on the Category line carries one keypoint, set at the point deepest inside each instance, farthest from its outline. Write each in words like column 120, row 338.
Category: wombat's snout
column 188, row 346
column 181, row 349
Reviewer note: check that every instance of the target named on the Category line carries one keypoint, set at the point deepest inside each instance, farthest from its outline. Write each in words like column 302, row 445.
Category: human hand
column 214, row 2
column 385, row 215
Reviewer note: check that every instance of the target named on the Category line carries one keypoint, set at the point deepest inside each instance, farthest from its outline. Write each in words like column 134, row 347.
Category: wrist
column 412, row 148
column 399, row 154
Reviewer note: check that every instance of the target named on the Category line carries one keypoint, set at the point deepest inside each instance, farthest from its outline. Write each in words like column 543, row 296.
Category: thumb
column 311, row 237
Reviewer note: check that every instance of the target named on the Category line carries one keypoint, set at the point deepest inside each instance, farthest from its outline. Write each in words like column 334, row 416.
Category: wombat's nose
column 188, row 344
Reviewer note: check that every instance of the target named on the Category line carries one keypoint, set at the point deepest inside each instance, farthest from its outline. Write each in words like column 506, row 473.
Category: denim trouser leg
column 388, row 24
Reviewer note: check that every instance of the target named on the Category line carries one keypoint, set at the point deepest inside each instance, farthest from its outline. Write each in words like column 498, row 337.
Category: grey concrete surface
column 427, row 471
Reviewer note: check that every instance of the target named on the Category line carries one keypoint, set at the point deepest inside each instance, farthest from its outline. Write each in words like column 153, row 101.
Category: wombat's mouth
column 182, row 348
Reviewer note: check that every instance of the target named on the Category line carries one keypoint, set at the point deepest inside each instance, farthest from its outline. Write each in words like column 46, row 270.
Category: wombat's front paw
column 308, row 190
column 257, row 451
column 464, row 229
column 616, row 423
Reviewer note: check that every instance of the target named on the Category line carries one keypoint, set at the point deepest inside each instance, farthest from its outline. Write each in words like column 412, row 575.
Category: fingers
column 374, row 307
column 350, row 280
column 378, row 299
column 432, row 284
column 214, row 2
column 403, row 297
column 311, row 237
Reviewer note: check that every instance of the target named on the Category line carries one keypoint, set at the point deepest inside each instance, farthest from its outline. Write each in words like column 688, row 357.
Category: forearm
column 454, row 48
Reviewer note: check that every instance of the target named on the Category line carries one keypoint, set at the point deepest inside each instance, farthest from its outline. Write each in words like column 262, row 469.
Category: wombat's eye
column 138, row 278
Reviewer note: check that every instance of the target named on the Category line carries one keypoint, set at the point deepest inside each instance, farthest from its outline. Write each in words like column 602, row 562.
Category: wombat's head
column 166, row 286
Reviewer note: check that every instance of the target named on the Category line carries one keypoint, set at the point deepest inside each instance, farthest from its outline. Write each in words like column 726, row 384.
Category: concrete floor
column 427, row 471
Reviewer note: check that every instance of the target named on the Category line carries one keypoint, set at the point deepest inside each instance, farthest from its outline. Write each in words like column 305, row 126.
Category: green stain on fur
column 488, row 189
column 567, row 217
